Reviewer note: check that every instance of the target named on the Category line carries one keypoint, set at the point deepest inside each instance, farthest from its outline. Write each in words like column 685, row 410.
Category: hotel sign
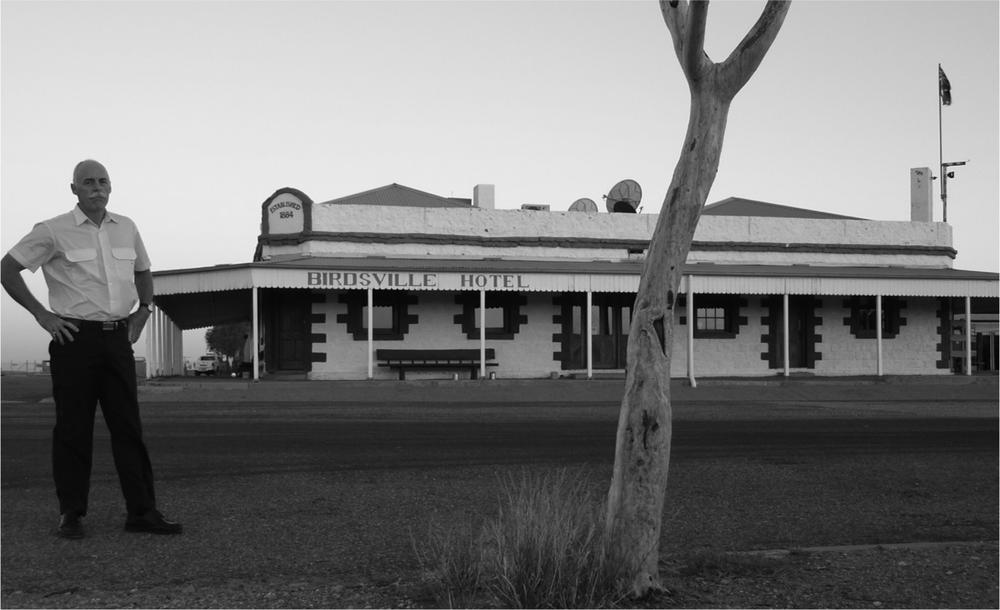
column 400, row 280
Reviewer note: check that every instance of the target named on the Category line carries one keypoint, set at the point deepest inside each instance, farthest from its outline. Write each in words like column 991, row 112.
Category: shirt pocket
column 81, row 255
column 124, row 262
column 81, row 266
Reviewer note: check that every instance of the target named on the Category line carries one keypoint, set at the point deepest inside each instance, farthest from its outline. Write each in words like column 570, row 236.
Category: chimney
column 482, row 197
column 921, row 195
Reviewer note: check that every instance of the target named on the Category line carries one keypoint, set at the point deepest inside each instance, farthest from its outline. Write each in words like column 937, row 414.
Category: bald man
column 96, row 269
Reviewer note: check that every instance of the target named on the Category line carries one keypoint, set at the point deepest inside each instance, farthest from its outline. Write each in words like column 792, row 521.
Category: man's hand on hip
column 60, row 330
column 136, row 322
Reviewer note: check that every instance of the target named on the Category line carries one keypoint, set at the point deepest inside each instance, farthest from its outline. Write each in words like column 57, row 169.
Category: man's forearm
column 13, row 283
column 144, row 290
column 144, row 286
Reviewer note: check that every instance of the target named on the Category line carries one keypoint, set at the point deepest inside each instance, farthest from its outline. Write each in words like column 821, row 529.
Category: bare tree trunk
column 642, row 449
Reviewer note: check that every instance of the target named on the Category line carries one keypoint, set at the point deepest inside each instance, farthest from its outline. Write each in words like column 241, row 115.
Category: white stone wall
column 523, row 223
column 738, row 257
column 479, row 222
column 345, row 357
column 354, row 249
column 822, row 231
column 528, row 355
column 727, row 257
column 739, row 356
column 520, row 223
column 913, row 351
column 736, row 357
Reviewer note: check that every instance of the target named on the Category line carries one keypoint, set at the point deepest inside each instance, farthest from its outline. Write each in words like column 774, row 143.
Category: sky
column 200, row 110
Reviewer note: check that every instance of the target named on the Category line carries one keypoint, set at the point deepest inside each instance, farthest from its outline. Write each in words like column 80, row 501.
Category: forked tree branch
column 686, row 22
column 695, row 58
column 675, row 14
column 737, row 69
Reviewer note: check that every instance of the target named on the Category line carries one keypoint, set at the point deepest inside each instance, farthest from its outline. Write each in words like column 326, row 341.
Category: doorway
column 291, row 325
column 611, row 318
column 801, row 328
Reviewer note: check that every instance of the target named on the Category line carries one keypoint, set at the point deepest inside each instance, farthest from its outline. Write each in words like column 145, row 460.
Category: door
column 292, row 330
column 611, row 317
column 800, row 328
column 985, row 351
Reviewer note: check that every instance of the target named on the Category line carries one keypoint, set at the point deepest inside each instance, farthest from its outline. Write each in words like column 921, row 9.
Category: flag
column 944, row 87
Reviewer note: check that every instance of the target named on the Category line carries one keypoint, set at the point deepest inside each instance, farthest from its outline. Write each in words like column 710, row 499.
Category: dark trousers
column 97, row 366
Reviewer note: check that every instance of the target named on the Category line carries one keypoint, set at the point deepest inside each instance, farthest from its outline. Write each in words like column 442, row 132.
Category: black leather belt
column 98, row 325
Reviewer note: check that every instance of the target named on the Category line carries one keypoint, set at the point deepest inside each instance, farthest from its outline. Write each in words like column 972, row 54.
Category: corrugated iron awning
column 573, row 276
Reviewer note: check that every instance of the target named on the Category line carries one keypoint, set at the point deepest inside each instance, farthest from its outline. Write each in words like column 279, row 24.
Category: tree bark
column 642, row 449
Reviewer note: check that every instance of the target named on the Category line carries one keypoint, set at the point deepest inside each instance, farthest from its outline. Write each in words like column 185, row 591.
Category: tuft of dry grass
column 545, row 548
column 451, row 561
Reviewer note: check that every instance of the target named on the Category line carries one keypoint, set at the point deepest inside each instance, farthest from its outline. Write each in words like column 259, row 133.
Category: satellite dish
column 584, row 205
column 624, row 197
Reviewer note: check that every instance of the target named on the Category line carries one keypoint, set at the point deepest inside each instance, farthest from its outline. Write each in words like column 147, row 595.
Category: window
column 710, row 318
column 716, row 316
column 866, row 321
column 383, row 319
column 503, row 314
column 863, row 317
column 495, row 319
column 390, row 314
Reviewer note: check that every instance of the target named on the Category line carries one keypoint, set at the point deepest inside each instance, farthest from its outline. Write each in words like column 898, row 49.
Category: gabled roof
column 399, row 195
column 737, row 206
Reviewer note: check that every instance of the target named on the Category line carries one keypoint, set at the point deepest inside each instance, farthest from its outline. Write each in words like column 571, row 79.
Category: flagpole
column 944, row 99
column 944, row 188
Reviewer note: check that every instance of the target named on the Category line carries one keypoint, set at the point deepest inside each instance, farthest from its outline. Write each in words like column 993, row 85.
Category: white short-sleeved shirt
column 90, row 270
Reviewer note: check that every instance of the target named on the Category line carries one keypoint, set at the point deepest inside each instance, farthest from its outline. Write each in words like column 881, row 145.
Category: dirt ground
column 871, row 530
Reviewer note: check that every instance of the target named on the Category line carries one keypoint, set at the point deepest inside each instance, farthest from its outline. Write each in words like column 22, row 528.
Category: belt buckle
column 113, row 325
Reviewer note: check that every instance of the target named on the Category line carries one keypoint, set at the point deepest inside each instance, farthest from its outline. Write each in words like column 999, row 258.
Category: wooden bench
column 403, row 359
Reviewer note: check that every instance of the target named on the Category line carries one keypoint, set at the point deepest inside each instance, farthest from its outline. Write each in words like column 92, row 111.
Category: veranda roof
column 199, row 297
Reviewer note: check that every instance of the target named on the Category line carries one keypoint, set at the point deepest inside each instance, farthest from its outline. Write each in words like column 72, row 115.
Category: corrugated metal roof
column 399, row 195
column 596, row 266
column 193, row 299
column 229, row 277
column 737, row 206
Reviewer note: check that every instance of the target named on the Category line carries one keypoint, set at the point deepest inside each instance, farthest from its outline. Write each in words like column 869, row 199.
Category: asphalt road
column 190, row 441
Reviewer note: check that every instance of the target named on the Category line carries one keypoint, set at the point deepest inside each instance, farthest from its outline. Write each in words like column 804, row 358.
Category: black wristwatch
column 147, row 306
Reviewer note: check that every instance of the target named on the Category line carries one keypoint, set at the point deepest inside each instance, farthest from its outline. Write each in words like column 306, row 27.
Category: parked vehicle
column 209, row 364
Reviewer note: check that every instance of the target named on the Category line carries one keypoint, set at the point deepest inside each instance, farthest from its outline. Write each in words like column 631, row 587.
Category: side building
column 767, row 290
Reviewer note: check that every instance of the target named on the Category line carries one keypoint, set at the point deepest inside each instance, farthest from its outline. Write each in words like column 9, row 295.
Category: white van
column 208, row 364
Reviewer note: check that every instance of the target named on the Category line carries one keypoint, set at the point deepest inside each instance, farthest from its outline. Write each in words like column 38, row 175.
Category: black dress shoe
column 152, row 522
column 70, row 526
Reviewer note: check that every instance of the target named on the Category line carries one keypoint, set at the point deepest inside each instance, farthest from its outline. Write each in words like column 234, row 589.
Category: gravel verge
column 737, row 533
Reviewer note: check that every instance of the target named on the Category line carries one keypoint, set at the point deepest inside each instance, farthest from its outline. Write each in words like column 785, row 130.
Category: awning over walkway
column 203, row 309
column 195, row 298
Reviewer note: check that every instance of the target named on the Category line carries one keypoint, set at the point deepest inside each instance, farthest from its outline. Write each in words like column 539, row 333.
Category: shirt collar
column 81, row 218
